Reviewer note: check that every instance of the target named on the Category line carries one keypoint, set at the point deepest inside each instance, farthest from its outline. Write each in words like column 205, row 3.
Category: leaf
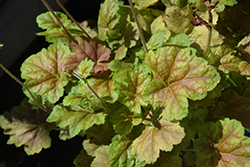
column 80, row 96
column 90, row 50
column 90, row 147
column 123, row 120
column 83, row 159
column 142, row 4
column 27, row 127
column 148, row 145
column 234, row 147
column 102, row 157
column 156, row 40
column 76, row 118
column 200, row 36
column 178, row 76
column 48, row 21
column 233, row 106
column 158, row 24
column 108, row 19
column 209, row 135
column 130, row 91
column 177, row 21
column 244, row 68
column 222, row 4
column 223, row 57
column 43, row 74
column 85, row 67
column 120, row 150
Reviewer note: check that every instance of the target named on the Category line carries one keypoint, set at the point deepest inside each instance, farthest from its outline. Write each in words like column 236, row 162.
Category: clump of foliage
column 146, row 87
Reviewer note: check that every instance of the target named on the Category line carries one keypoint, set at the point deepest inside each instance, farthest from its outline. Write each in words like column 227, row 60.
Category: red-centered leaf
column 234, row 147
column 131, row 88
column 102, row 157
column 233, row 106
column 120, row 150
column 76, row 118
column 178, row 76
column 43, row 74
column 83, row 159
column 27, row 127
column 147, row 146
column 209, row 135
column 90, row 50
column 223, row 58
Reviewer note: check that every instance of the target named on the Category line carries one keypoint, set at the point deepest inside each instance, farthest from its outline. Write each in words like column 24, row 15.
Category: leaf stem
column 18, row 81
column 138, row 26
column 92, row 91
column 58, row 20
column 70, row 16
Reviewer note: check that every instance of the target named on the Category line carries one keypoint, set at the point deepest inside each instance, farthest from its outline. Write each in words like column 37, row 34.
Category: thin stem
column 18, row 81
column 138, row 26
column 70, row 16
column 58, row 20
column 92, row 91
column 210, row 20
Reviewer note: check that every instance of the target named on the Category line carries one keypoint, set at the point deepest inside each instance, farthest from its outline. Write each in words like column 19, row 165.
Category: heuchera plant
column 146, row 87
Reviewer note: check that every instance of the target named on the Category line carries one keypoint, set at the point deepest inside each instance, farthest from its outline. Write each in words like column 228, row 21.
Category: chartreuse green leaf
column 147, row 146
column 209, row 135
column 90, row 147
column 142, row 4
column 234, row 147
column 233, row 106
column 223, row 58
column 48, row 21
column 156, row 40
column 76, row 118
column 77, row 96
column 27, row 127
column 120, row 150
column 244, row 68
column 130, row 91
column 85, row 67
column 222, row 4
column 43, row 74
column 157, row 25
column 177, row 21
column 178, row 76
column 102, row 157
column 108, row 19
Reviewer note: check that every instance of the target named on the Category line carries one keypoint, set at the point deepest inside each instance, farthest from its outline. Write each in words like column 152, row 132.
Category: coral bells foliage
column 177, row 97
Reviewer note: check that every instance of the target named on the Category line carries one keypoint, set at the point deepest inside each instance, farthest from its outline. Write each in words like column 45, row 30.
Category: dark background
column 61, row 153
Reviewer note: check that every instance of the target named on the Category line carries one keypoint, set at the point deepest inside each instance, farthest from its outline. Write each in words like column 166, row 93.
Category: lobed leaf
column 76, row 118
column 102, row 157
column 48, row 21
column 234, row 147
column 223, row 57
column 27, row 127
column 83, row 159
column 178, row 76
column 120, row 149
column 89, row 50
column 142, row 4
column 130, row 92
column 222, row 4
column 148, row 145
column 43, row 74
